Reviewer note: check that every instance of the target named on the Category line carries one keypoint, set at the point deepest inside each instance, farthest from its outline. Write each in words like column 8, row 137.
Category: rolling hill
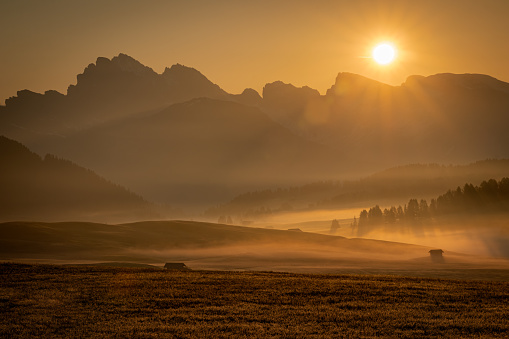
column 160, row 241
column 205, row 246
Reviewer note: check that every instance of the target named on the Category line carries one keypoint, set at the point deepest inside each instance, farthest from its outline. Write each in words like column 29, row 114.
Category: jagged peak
column 103, row 66
column 178, row 70
column 350, row 82
column 121, row 62
column 129, row 64
column 280, row 85
column 188, row 77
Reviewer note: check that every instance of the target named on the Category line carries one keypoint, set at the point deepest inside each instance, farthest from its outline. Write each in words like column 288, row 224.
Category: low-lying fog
column 482, row 235
column 215, row 246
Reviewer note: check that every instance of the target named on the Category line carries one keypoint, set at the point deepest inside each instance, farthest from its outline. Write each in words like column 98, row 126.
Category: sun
column 384, row 53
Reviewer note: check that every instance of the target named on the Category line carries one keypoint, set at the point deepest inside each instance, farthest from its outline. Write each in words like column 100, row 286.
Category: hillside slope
column 160, row 240
column 34, row 188
column 206, row 246
column 445, row 118
column 200, row 152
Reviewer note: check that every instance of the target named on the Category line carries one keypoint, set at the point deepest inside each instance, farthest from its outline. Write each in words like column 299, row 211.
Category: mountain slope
column 199, row 151
column 441, row 118
column 56, row 189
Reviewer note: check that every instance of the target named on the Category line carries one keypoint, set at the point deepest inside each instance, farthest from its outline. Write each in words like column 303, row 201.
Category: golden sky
column 239, row 44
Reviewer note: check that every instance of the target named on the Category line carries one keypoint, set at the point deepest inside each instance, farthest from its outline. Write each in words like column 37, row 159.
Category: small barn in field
column 176, row 266
column 436, row 255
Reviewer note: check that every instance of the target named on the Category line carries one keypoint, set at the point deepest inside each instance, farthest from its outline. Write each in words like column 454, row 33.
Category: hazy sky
column 239, row 44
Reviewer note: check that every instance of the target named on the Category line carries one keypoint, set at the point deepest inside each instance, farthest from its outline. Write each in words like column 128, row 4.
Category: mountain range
column 444, row 118
column 178, row 138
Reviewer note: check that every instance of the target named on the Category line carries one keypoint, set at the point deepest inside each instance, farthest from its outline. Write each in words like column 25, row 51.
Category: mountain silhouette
column 106, row 91
column 178, row 137
column 441, row 118
column 53, row 189
column 199, row 151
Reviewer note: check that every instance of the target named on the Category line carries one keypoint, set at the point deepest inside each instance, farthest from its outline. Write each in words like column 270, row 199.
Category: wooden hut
column 176, row 266
column 436, row 255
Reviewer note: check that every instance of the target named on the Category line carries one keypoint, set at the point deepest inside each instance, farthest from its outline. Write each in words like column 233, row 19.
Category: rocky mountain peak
column 349, row 82
column 180, row 72
column 129, row 64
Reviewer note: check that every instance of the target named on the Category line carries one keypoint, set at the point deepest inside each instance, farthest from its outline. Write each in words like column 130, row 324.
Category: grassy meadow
column 86, row 301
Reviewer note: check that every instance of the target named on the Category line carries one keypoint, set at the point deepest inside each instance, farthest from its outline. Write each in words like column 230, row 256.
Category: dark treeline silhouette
column 50, row 188
column 490, row 196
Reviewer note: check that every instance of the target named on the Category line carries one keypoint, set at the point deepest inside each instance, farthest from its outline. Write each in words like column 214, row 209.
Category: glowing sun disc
column 384, row 54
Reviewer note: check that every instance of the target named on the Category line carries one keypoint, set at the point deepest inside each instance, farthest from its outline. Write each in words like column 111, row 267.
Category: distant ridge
column 394, row 184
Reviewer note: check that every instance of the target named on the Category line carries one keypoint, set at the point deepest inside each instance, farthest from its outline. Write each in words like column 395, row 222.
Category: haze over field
column 369, row 123
column 226, row 247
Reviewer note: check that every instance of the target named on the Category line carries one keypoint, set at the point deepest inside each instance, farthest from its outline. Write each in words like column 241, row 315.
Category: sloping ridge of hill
column 49, row 188
column 159, row 240
column 201, row 151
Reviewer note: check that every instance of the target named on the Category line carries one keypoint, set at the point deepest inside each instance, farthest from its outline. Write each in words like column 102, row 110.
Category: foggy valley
column 126, row 144
column 268, row 169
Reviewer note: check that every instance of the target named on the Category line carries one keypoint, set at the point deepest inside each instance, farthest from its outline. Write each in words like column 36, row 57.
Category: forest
column 385, row 187
column 490, row 196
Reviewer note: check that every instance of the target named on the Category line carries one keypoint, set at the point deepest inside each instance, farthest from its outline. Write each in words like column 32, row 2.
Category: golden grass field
column 49, row 301
column 89, row 280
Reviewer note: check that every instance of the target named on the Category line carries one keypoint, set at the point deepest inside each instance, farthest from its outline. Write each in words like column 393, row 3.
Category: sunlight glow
column 384, row 53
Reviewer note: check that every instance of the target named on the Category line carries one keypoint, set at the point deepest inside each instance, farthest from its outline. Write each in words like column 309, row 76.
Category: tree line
column 489, row 196
column 394, row 183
